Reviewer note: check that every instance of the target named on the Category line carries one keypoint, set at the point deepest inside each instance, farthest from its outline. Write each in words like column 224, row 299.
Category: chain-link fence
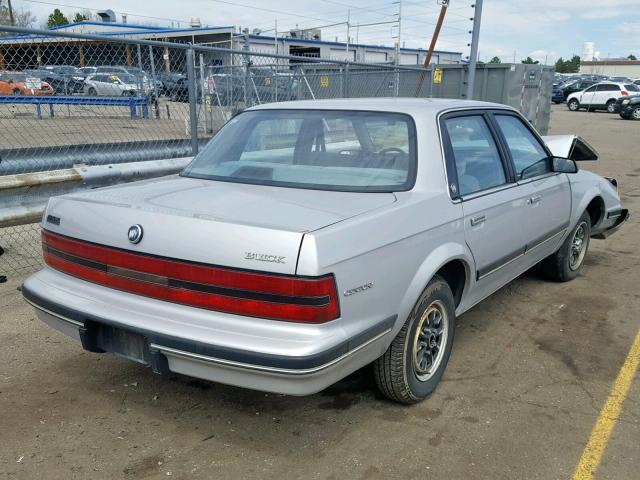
column 81, row 111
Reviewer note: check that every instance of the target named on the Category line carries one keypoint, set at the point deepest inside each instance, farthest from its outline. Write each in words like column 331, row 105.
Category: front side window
column 315, row 149
column 529, row 157
column 476, row 156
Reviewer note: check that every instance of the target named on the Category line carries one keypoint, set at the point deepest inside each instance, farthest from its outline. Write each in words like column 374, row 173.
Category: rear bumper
column 620, row 216
column 288, row 374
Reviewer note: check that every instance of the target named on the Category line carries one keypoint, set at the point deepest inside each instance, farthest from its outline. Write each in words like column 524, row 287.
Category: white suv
column 601, row 96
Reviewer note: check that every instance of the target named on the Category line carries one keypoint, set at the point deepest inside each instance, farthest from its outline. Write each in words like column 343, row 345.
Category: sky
column 541, row 29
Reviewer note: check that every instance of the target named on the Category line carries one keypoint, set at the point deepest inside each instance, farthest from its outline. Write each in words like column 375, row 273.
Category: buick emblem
column 135, row 233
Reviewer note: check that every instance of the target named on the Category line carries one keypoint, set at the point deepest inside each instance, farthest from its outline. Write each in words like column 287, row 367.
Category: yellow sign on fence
column 324, row 81
column 437, row 76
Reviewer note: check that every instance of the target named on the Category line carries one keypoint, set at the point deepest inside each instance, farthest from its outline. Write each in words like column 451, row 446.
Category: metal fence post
column 193, row 113
column 346, row 93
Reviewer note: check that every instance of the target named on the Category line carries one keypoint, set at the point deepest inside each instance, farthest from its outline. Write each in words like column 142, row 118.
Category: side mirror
column 564, row 165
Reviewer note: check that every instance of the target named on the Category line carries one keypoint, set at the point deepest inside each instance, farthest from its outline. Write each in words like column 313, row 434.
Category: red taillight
column 271, row 296
column 624, row 93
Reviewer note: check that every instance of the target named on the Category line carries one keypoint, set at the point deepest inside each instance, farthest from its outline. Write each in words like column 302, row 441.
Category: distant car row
column 562, row 88
column 100, row 80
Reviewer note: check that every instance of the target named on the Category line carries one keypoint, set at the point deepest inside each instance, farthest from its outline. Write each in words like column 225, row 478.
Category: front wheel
column 611, row 106
column 413, row 364
column 567, row 262
column 573, row 105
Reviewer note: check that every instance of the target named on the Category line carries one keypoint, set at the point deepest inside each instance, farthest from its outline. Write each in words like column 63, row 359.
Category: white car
column 601, row 96
column 112, row 85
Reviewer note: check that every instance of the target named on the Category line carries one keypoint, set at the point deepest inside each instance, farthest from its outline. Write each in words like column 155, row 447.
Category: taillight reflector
column 271, row 296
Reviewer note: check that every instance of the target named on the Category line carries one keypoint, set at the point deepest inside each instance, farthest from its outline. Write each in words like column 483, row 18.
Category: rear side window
column 529, row 157
column 632, row 88
column 476, row 156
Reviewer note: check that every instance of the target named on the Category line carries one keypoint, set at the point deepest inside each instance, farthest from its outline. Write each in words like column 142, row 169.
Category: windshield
column 315, row 149
column 126, row 78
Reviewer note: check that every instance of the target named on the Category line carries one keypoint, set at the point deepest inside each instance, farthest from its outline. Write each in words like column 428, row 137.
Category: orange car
column 21, row 84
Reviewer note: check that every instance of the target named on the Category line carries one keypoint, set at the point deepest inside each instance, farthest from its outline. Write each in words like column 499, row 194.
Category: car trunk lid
column 236, row 225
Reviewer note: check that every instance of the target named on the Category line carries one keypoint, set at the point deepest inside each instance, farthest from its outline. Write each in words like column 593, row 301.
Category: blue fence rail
column 50, row 101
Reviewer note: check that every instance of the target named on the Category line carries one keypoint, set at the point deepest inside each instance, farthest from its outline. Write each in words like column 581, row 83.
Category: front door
column 547, row 194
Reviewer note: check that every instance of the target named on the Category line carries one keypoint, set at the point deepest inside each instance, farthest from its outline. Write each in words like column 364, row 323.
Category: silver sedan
column 309, row 239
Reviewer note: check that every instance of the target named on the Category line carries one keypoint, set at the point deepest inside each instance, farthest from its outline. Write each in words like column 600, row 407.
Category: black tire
column 396, row 371
column 635, row 114
column 17, row 91
column 562, row 266
column 92, row 92
column 611, row 105
column 573, row 105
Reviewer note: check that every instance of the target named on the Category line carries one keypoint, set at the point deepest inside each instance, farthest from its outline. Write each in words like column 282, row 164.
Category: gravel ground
column 530, row 371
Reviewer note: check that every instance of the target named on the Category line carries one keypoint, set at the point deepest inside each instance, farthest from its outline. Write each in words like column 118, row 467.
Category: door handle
column 535, row 199
column 475, row 221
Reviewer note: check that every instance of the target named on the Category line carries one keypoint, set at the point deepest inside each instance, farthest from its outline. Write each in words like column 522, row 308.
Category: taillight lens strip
column 277, row 297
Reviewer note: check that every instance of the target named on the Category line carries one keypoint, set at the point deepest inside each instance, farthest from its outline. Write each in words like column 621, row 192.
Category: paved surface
column 531, row 368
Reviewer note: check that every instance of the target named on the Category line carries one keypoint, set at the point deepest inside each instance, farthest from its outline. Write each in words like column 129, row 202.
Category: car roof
column 411, row 106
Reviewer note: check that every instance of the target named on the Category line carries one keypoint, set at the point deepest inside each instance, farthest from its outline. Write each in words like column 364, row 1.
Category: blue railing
column 50, row 101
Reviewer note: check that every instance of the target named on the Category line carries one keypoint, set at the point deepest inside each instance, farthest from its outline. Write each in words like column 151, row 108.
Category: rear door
column 547, row 194
column 490, row 198
column 606, row 92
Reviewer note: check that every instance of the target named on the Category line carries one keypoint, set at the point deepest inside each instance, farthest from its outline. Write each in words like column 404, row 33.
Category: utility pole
column 473, row 56
column 434, row 39
column 399, row 2
column 348, row 31
column 11, row 17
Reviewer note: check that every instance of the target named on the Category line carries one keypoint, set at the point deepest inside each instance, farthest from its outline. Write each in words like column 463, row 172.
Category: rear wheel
column 16, row 91
column 611, row 106
column 574, row 105
column 635, row 114
column 566, row 263
column 413, row 364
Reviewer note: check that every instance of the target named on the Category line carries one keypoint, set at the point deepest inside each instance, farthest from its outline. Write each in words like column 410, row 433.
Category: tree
column 632, row 57
column 57, row 19
column 22, row 18
column 568, row 66
column 82, row 16
column 495, row 60
column 530, row 61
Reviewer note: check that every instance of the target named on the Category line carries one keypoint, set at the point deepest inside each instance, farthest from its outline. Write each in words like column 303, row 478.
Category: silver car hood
column 247, row 226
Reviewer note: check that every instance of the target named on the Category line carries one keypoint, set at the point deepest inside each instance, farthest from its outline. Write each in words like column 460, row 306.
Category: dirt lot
column 530, row 371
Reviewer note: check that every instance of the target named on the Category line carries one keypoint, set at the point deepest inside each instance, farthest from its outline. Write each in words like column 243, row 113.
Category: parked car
column 169, row 81
column 15, row 83
column 309, row 239
column 619, row 80
column 557, row 95
column 64, row 79
column 576, row 86
column 601, row 96
column 112, row 85
column 628, row 107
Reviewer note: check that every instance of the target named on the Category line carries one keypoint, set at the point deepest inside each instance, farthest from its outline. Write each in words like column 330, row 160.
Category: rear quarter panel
column 397, row 249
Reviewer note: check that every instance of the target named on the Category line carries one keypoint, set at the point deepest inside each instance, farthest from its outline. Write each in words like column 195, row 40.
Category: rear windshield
column 314, row 149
